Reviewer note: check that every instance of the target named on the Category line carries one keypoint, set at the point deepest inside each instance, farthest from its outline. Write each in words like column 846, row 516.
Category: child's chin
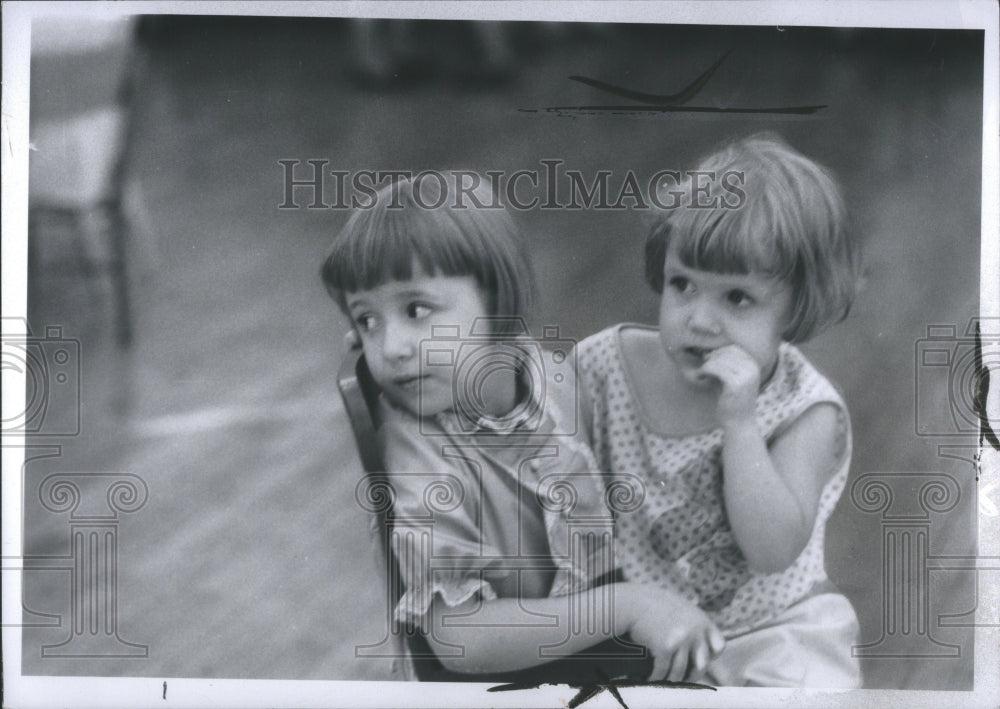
column 695, row 376
column 698, row 378
column 409, row 404
column 424, row 406
column 690, row 370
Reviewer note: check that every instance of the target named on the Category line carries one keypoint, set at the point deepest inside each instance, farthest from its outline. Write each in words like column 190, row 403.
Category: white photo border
column 34, row 691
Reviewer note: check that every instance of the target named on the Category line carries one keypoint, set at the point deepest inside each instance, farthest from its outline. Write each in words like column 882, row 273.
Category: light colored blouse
column 679, row 536
column 518, row 514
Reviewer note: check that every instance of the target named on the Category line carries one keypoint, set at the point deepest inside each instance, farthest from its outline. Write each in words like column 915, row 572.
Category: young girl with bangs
column 743, row 446
column 499, row 521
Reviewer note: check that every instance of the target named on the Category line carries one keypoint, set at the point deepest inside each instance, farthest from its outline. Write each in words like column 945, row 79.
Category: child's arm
column 456, row 605
column 493, row 635
column 771, row 494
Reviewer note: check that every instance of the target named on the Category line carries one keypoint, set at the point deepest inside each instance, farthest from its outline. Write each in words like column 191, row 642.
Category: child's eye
column 739, row 298
column 681, row 284
column 417, row 311
column 366, row 323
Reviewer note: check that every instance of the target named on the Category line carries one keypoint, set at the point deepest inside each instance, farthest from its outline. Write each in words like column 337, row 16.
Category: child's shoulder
column 403, row 439
column 624, row 340
column 640, row 347
column 803, row 379
column 597, row 344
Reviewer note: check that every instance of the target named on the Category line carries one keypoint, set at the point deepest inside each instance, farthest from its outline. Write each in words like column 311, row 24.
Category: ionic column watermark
column 906, row 502
column 94, row 501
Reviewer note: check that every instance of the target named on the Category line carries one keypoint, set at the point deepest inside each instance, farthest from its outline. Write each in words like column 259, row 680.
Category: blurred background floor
column 251, row 557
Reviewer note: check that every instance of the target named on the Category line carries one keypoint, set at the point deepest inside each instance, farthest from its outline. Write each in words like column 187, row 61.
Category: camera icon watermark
column 951, row 372
column 460, row 371
column 50, row 366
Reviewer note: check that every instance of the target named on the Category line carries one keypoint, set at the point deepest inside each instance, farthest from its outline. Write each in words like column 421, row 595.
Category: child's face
column 393, row 319
column 701, row 311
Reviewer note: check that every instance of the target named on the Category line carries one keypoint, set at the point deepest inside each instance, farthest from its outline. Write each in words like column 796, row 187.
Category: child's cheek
column 373, row 357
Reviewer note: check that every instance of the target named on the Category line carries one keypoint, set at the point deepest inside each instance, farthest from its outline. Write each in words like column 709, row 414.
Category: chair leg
column 85, row 225
column 106, row 220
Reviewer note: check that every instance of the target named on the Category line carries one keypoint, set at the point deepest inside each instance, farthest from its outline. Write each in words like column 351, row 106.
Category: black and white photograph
column 501, row 354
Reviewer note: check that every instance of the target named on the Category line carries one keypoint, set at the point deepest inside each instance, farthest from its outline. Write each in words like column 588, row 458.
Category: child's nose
column 398, row 342
column 703, row 319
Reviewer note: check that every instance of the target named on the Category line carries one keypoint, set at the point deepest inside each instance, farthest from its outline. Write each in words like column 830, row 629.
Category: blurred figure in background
column 390, row 53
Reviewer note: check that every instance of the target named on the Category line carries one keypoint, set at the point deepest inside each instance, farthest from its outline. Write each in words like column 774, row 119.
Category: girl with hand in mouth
column 743, row 446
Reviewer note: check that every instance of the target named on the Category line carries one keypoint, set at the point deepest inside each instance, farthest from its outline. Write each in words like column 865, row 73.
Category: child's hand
column 739, row 376
column 681, row 637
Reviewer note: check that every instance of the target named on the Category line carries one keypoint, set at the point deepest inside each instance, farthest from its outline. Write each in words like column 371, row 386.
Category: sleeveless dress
column 679, row 536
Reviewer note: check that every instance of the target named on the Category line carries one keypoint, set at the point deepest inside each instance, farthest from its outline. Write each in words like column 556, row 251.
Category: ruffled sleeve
column 435, row 533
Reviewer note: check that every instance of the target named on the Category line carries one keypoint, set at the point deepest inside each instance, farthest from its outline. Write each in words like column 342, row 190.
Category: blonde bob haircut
column 760, row 206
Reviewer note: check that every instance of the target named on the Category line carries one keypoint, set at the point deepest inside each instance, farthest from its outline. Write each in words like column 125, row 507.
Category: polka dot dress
column 679, row 536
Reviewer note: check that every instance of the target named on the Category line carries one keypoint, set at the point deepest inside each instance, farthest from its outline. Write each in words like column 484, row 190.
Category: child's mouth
column 410, row 382
column 697, row 353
